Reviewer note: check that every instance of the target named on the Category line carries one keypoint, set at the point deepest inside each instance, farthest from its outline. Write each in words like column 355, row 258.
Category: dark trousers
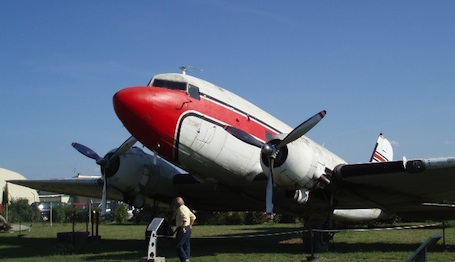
column 183, row 243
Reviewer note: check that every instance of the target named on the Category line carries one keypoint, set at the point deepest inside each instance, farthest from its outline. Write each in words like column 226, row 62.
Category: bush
column 230, row 218
column 121, row 213
column 254, row 218
column 21, row 211
column 286, row 218
column 234, row 218
column 59, row 214
column 80, row 214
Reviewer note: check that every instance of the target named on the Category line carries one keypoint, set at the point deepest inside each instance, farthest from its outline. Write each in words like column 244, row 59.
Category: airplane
column 223, row 153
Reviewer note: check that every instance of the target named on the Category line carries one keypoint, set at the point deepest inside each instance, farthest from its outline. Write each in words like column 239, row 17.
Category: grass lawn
column 126, row 243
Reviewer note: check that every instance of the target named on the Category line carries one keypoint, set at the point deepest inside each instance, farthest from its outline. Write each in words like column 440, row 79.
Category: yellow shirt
column 184, row 216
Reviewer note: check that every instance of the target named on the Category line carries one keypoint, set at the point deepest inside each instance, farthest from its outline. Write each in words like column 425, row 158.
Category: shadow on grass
column 385, row 247
column 15, row 247
column 117, row 250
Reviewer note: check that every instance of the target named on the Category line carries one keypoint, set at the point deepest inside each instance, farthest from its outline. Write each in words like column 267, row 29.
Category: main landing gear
column 314, row 240
column 318, row 222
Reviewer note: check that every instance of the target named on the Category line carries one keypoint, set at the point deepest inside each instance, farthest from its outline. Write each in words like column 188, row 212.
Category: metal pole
column 74, row 217
column 50, row 214
column 97, row 221
column 92, row 220
column 444, row 233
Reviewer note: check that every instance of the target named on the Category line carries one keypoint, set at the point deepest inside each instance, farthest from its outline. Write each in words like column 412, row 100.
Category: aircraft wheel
column 316, row 242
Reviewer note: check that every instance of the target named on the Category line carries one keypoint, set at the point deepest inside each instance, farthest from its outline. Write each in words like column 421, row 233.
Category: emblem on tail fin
column 383, row 151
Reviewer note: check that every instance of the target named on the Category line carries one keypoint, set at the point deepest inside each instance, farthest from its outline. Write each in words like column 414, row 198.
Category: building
column 15, row 191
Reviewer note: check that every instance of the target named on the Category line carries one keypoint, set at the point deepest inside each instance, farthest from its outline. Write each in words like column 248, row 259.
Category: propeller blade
column 124, row 147
column 86, row 151
column 104, row 163
column 302, row 129
column 244, row 136
column 269, row 191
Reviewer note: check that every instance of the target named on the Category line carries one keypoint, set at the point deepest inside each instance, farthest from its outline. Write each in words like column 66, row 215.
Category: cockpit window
column 193, row 91
column 169, row 84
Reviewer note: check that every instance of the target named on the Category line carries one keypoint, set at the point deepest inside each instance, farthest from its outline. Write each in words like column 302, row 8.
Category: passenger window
column 193, row 91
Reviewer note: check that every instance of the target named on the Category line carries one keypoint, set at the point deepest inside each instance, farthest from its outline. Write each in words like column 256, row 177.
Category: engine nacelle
column 301, row 164
column 131, row 166
column 359, row 215
column 137, row 176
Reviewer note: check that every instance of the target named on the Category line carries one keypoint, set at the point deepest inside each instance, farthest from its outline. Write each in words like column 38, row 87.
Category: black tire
column 316, row 242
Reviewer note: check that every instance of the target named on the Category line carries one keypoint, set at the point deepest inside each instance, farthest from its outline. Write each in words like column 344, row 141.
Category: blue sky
column 375, row 66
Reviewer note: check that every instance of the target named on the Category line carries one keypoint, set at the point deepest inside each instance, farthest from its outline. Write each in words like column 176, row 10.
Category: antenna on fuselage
column 184, row 68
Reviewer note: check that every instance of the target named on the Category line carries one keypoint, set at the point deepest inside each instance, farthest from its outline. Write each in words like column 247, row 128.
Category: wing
column 403, row 187
column 88, row 187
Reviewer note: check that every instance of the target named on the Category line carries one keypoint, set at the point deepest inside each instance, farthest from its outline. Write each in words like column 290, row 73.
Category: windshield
column 169, row 84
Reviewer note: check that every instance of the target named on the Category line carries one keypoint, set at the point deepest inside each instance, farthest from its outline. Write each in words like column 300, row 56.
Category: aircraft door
column 195, row 133
column 203, row 141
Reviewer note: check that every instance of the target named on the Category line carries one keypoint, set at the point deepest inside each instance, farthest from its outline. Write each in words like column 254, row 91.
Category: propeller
column 105, row 163
column 271, row 150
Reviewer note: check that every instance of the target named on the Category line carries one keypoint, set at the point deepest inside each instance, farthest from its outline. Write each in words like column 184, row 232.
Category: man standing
column 184, row 220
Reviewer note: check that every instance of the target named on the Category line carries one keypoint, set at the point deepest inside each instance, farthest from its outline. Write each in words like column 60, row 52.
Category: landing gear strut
column 315, row 241
column 317, row 222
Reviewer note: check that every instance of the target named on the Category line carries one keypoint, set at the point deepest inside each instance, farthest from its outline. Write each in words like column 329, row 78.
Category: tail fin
column 383, row 151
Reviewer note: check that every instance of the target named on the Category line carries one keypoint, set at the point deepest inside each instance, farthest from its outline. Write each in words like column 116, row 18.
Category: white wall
column 16, row 191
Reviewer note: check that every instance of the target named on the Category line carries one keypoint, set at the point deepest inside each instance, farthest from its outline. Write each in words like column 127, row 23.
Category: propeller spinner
column 105, row 163
column 271, row 150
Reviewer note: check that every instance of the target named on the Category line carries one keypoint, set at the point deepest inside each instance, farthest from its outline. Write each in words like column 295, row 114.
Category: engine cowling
column 298, row 165
column 137, row 175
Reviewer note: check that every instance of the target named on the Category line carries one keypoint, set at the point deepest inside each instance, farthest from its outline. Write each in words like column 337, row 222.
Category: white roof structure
column 15, row 191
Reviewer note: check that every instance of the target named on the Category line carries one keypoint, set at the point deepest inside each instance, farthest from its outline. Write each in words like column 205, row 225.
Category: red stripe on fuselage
column 152, row 115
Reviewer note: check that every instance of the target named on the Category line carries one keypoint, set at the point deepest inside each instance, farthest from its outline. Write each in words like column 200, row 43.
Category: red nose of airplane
column 149, row 115
column 130, row 105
